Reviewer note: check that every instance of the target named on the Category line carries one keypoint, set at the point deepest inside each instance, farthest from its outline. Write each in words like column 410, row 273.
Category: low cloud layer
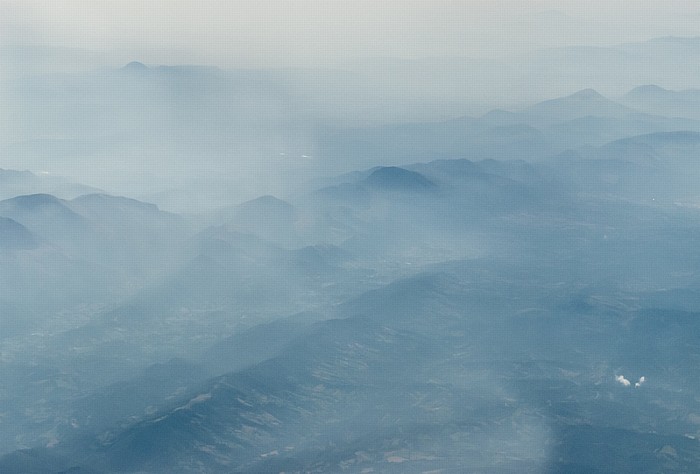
column 626, row 383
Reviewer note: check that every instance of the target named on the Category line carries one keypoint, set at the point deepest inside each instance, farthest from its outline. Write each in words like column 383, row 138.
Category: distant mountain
column 267, row 217
column 645, row 92
column 498, row 118
column 94, row 243
column 128, row 215
column 131, row 235
column 13, row 176
column 237, row 273
column 587, row 102
column 675, row 147
column 657, row 100
column 640, row 168
column 44, row 215
column 18, row 183
column 466, row 137
column 392, row 178
column 672, row 47
column 135, row 66
column 223, row 243
column 596, row 131
column 265, row 209
column 673, row 154
column 96, row 204
column 14, row 235
column 532, row 134
column 15, row 183
column 437, row 370
column 620, row 64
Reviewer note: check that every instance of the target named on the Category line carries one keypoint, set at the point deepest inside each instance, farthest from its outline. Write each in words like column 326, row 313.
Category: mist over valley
column 436, row 256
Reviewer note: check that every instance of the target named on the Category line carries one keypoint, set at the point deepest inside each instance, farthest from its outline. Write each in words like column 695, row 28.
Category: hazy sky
column 311, row 32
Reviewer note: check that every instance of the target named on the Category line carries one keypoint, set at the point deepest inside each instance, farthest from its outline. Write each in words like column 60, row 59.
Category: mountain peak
column 393, row 177
column 35, row 200
column 646, row 89
column 266, row 203
column 681, row 40
column 586, row 94
column 135, row 66
column 586, row 102
column 268, row 200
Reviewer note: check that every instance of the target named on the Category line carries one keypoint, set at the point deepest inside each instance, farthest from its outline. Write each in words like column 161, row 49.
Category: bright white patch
column 642, row 379
column 621, row 379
